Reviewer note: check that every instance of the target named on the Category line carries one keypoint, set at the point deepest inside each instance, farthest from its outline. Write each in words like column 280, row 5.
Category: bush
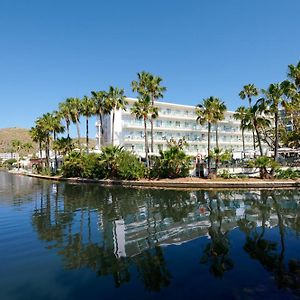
column 287, row 174
column 82, row 165
column 172, row 163
column 129, row 167
column 263, row 163
column 226, row 174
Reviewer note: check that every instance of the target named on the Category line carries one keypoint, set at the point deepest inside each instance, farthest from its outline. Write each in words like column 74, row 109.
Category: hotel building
column 174, row 121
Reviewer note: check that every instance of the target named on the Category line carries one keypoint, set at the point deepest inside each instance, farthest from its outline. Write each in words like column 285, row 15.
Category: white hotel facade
column 174, row 121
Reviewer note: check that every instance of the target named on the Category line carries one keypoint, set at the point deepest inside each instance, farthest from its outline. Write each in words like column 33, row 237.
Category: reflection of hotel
column 174, row 121
column 140, row 231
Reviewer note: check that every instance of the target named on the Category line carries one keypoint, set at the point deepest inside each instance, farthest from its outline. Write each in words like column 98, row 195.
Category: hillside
column 7, row 135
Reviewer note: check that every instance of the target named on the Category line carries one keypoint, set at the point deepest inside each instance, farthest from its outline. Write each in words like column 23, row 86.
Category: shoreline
column 182, row 183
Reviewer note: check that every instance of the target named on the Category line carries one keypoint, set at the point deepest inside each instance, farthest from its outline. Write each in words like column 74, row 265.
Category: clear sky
column 51, row 50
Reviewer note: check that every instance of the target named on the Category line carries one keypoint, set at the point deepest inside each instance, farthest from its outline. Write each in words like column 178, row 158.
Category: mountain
column 7, row 135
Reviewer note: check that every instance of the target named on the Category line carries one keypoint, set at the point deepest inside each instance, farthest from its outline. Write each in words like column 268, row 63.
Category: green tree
column 209, row 112
column 242, row 114
column 149, row 85
column 143, row 110
column 87, row 110
column 75, row 106
column 115, row 100
column 248, row 91
column 100, row 100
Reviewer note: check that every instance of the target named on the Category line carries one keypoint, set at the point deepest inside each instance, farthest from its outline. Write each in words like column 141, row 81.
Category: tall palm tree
column 75, row 113
column 99, row 99
column 248, row 91
column 206, row 115
column 294, row 74
column 150, row 85
column 242, row 114
column 38, row 136
column 143, row 109
column 115, row 100
column 274, row 98
column 43, row 125
column 259, row 120
column 65, row 112
column 219, row 108
column 87, row 110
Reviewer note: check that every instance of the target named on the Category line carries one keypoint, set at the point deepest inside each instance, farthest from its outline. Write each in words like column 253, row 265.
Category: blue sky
column 51, row 50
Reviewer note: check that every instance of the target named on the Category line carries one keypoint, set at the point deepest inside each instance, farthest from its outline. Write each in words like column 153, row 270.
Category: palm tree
column 259, row 120
column 38, row 136
column 115, row 100
column 87, row 110
column 219, row 109
column 248, row 92
column 99, row 99
column 16, row 147
column 210, row 112
column 65, row 112
column 143, row 109
column 75, row 112
column 242, row 114
column 149, row 84
column 274, row 98
column 294, row 74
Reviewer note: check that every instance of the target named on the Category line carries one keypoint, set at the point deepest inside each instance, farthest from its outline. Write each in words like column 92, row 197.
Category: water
column 71, row 241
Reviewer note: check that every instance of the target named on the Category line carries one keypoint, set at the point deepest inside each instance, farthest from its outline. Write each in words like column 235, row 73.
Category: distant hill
column 7, row 135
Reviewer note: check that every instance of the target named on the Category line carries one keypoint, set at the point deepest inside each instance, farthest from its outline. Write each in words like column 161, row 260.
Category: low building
column 175, row 121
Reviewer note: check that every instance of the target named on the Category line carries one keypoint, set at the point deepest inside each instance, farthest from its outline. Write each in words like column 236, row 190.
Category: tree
column 248, row 92
column 75, row 112
column 274, row 99
column 38, row 136
column 294, row 74
column 210, row 112
column 87, row 109
column 149, row 85
column 100, row 99
column 16, row 147
column 242, row 114
column 258, row 120
column 143, row 109
column 115, row 100
column 65, row 112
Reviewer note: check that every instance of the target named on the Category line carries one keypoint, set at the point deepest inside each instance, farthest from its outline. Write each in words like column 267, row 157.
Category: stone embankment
column 185, row 183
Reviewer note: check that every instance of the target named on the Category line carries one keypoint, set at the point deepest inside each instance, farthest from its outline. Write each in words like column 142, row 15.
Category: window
column 177, row 123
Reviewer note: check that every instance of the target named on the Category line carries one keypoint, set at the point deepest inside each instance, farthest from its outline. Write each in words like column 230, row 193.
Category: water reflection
column 113, row 230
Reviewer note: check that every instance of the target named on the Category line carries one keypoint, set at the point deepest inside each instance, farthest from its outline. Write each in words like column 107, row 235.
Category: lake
column 84, row 241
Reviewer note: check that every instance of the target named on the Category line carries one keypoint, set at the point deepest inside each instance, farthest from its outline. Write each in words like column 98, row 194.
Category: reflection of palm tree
column 216, row 251
column 152, row 268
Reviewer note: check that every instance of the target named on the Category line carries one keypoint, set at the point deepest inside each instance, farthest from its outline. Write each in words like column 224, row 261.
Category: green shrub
column 287, row 174
column 226, row 174
column 73, row 165
column 172, row 163
column 129, row 167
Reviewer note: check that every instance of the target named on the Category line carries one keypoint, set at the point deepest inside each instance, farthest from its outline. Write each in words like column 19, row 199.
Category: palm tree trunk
column 78, row 134
column 68, row 128
column 40, row 148
column 47, row 151
column 113, row 127
column 87, row 135
column 151, row 126
column 152, row 141
column 146, row 143
column 55, row 152
column 208, row 147
column 276, row 137
column 259, row 141
column 243, row 139
column 217, row 137
column 253, row 137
